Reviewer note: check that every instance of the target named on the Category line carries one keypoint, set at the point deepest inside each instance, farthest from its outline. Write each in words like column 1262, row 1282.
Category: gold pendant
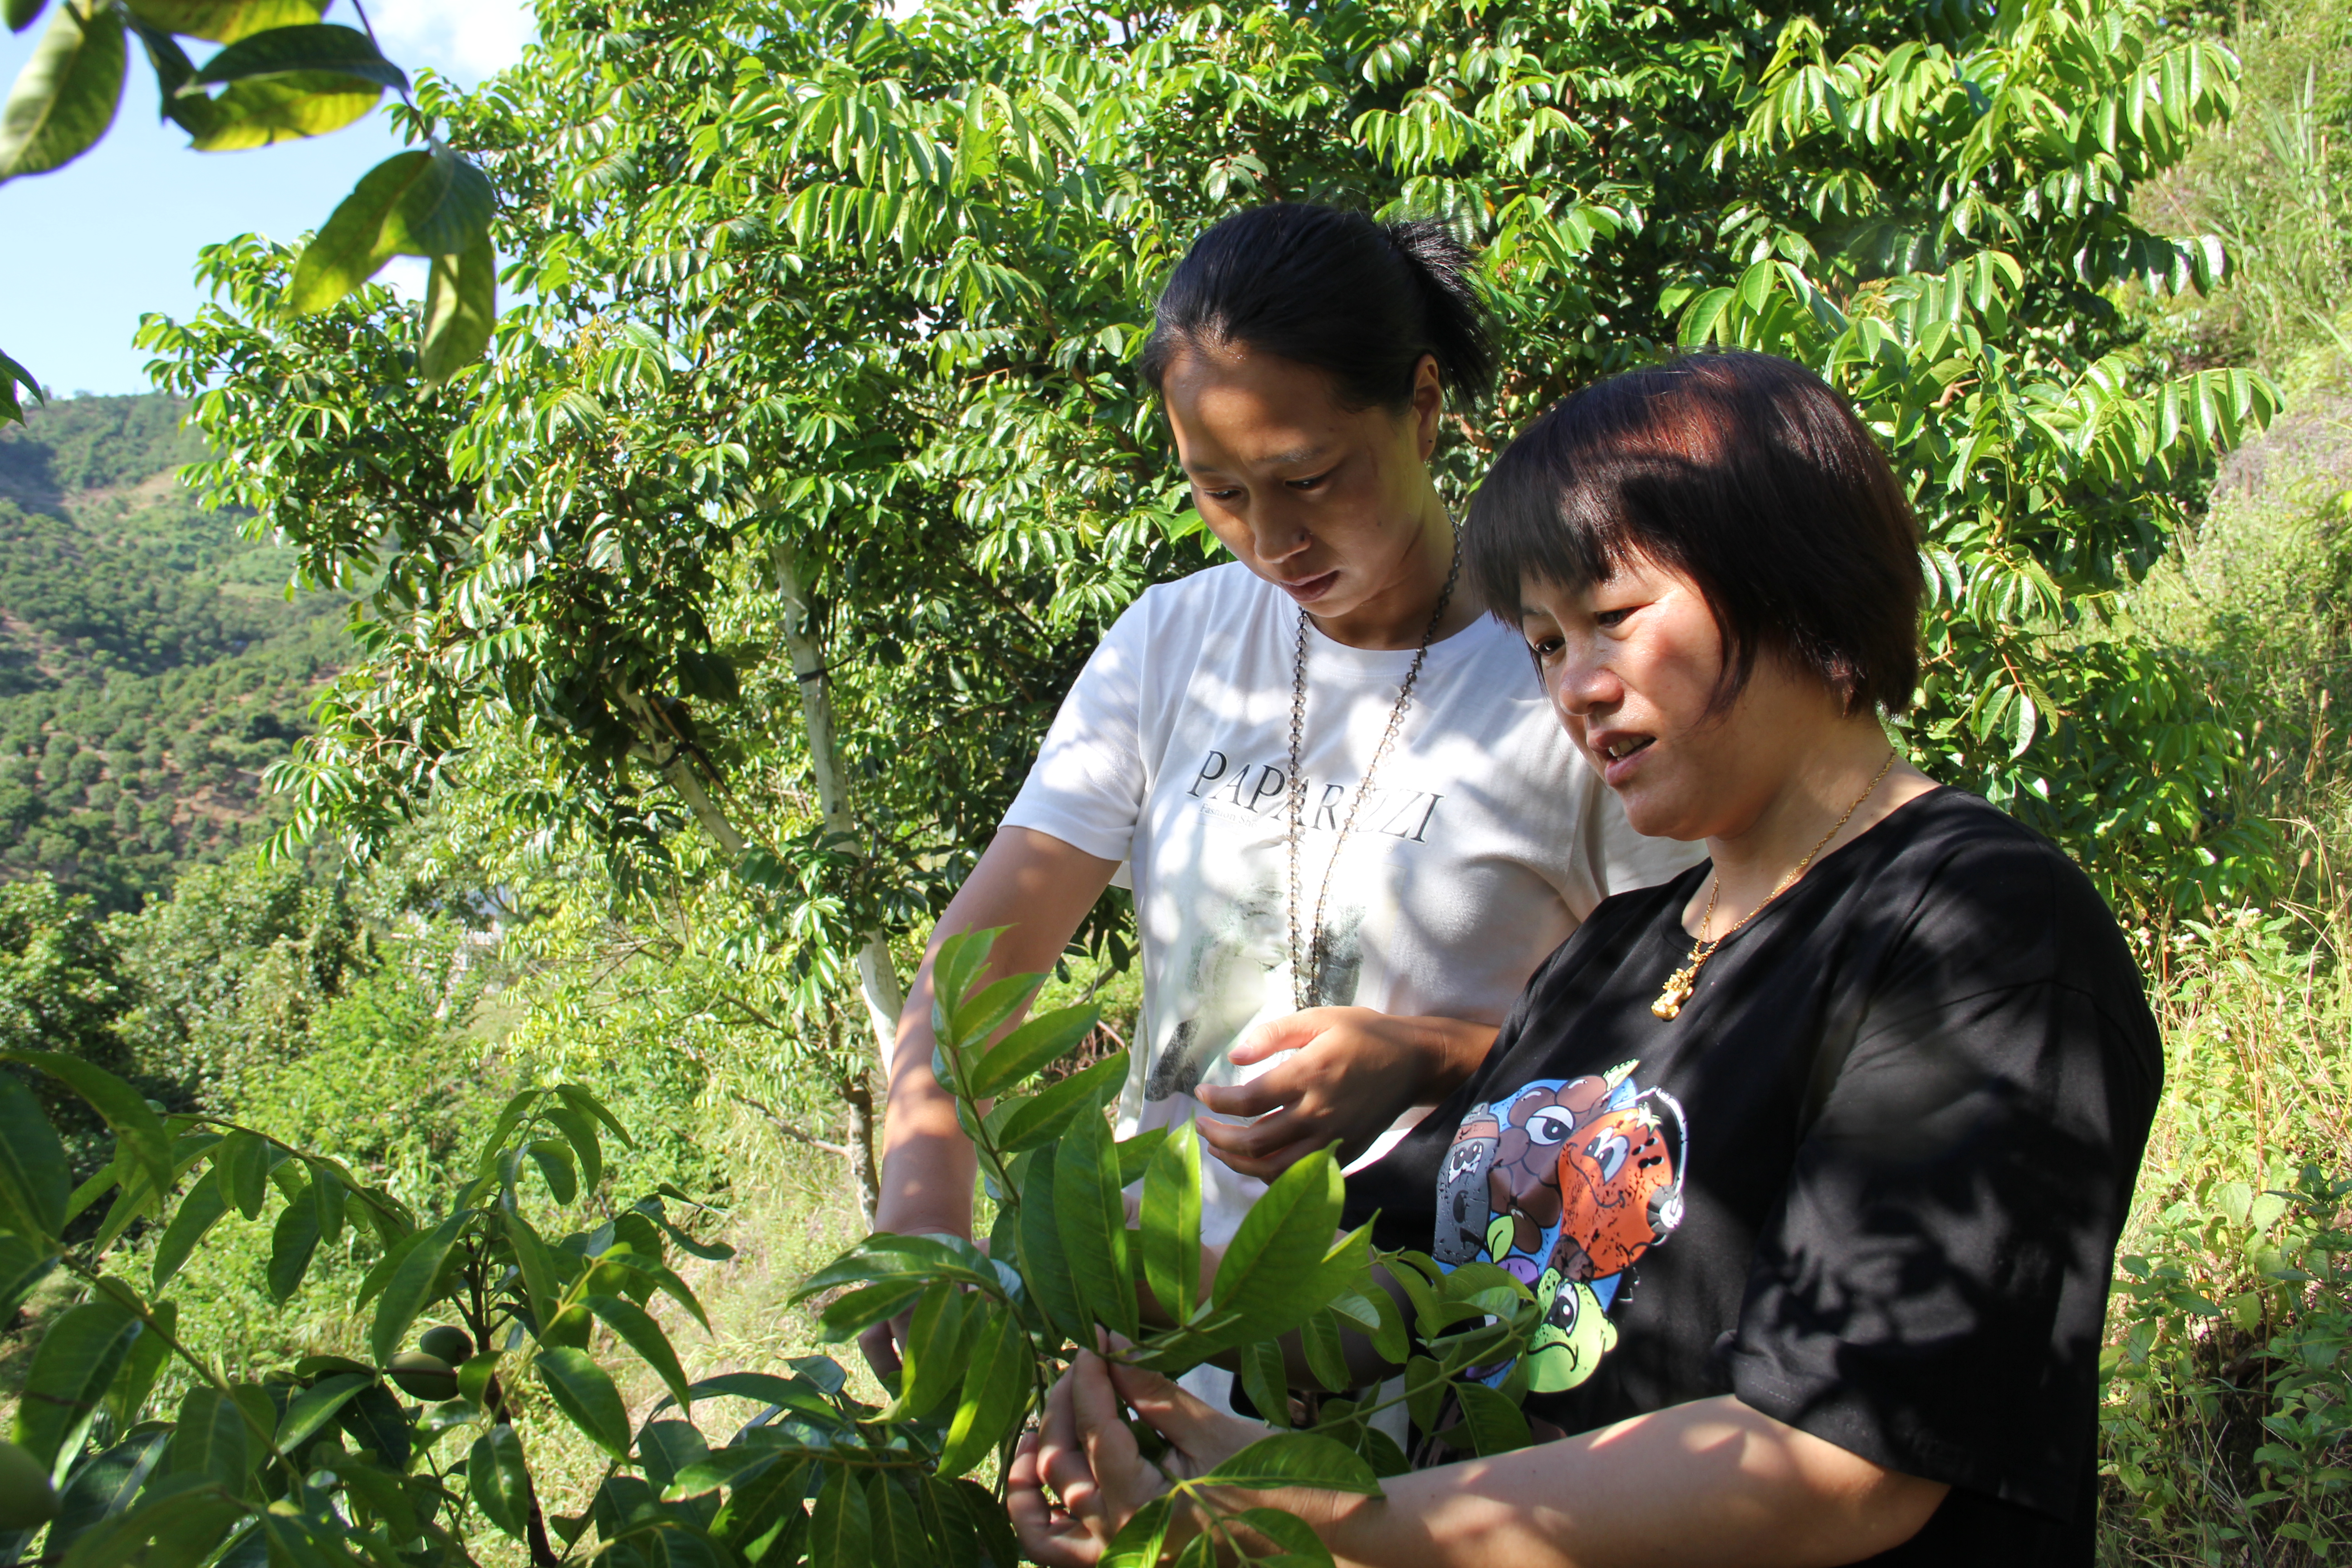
column 1678, row 988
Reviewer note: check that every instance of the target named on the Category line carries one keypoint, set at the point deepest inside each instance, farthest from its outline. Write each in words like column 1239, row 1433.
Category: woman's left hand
column 1080, row 1478
column 1356, row 1071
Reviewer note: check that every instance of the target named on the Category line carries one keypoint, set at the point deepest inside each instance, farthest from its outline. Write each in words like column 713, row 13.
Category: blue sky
column 86, row 250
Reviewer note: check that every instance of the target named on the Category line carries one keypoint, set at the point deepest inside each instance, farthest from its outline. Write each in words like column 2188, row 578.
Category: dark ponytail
column 1361, row 300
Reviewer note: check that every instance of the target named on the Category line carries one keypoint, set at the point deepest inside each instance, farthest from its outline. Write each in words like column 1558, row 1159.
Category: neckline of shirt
column 1706, row 866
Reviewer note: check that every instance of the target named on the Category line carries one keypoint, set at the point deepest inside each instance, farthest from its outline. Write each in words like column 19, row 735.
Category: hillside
column 150, row 666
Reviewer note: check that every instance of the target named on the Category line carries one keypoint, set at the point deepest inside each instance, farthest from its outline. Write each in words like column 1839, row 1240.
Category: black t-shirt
column 1870, row 1180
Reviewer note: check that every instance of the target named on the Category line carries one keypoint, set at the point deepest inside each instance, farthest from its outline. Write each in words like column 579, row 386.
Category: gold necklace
column 1685, row 980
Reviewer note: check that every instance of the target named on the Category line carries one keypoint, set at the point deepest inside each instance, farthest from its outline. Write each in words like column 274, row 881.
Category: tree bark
column 877, row 973
column 857, row 1093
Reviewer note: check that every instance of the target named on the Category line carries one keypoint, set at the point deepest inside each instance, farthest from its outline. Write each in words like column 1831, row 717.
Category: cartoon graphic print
column 1565, row 1184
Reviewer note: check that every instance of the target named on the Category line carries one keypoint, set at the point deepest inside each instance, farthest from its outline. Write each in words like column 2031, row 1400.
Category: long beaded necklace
column 1685, row 980
column 1307, row 957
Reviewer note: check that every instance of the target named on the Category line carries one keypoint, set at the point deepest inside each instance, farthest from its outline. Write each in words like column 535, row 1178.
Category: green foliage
column 159, row 1442
column 282, row 75
column 843, row 355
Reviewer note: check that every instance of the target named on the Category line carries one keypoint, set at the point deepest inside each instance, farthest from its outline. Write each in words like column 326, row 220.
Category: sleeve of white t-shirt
column 1087, row 786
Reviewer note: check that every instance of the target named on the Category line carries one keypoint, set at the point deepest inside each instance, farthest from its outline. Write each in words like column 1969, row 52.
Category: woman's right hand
column 1354, row 1072
column 1077, row 1479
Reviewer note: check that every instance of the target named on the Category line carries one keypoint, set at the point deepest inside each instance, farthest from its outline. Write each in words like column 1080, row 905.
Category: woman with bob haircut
column 1331, row 782
column 1817, row 1156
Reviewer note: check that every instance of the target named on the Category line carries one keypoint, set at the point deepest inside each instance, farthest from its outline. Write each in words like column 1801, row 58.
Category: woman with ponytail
column 1351, row 825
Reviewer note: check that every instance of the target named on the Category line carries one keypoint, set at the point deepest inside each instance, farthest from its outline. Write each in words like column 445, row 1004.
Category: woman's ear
column 1428, row 404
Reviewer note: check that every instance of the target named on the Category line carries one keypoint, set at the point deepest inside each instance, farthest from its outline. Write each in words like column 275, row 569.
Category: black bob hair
column 1361, row 300
column 1743, row 472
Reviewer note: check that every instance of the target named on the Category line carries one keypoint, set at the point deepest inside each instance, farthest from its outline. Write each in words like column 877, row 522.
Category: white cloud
column 465, row 40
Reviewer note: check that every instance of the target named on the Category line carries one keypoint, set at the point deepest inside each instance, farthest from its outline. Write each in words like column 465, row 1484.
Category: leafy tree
column 813, row 463
column 281, row 74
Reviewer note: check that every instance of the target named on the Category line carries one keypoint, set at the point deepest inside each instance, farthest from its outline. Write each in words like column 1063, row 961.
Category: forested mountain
column 150, row 666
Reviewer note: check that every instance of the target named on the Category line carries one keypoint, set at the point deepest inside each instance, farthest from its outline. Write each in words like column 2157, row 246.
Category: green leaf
column 23, row 1266
column 931, row 1370
column 1263, row 1378
column 586, row 1396
column 995, row 1394
column 209, row 1438
column 726, row 1468
column 33, row 1182
column 1279, row 1249
column 898, row 1526
column 1172, row 1223
column 1040, row 1118
column 1301, row 1547
column 498, row 1480
column 126, row 1114
column 1042, row 1267
column 241, row 1164
column 461, row 305
column 983, row 1013
column 19, row 14
column 292, row 1242
column 446, row 211
column 409, row 1289
column 1142, row 1541
column 225, row 21
column 1326, row 1351
column 956, row 970
column 317, row 1405
column 580, row 1099
column 1036, row 1044
column 102, row 1486
column 1496, row 1425
column 1135, row 1153
column 12, row 376
column 1297, row 1459
column 373, row 1417
column 848, row 1316
column 554, row 1161
column 840, row 1533
column 148, row 1352
column 1092, row 1217
column 542, row 1287
column 352, row 246
column 271, row 109
column 75, row 1363
column 65, row 96
column 757, row 1498
column 314, row 46
column 888, row 1256
column 579, row 1130
column 642, row 1334
column 192, row 1521
column 327, row 1201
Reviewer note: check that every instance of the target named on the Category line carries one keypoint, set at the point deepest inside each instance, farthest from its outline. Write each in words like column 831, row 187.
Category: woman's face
column 1630, row 665
column 1329, row 504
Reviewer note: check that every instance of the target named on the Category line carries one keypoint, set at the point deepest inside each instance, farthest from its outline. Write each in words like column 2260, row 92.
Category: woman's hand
column 1080, row 1478
column 1357, row 1071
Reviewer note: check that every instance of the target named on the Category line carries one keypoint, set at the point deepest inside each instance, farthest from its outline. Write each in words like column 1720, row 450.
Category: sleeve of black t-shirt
column 1932, row 1283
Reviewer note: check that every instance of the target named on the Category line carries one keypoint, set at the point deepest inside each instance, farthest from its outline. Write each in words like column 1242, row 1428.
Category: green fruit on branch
column 28, row 1500
column 453, row 1345
column 427, row 1377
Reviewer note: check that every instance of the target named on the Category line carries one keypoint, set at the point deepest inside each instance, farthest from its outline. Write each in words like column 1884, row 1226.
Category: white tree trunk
column 877, row 973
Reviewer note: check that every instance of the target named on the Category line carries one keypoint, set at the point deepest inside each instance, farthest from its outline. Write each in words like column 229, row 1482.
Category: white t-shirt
column 1484, row 842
